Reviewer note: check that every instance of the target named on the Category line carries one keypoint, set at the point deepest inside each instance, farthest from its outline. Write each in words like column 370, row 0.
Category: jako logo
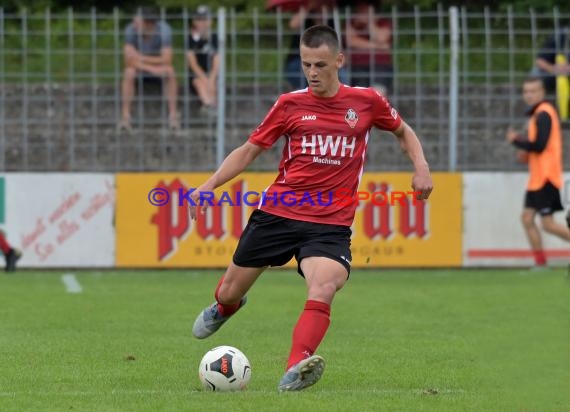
column 309, row 117
column 224, row 365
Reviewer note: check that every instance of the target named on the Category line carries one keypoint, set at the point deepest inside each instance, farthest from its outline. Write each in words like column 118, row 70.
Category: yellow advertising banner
column 153, row 227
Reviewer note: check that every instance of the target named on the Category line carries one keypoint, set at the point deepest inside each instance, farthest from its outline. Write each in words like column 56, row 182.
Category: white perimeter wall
column 61, row 220
column 492, row 231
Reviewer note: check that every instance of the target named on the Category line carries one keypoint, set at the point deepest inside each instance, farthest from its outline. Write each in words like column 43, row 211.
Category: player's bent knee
column 527, row 220
column 324, row 291
column 548, row 224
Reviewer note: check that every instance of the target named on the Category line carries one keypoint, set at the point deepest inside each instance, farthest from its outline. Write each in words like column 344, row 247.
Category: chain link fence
column 61, row 73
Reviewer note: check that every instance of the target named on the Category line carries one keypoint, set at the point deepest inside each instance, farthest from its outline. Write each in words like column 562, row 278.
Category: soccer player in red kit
column 326, row 127
column 12, row 255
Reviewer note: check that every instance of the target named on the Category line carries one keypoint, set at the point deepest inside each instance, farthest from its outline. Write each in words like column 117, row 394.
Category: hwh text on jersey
column 329, row 145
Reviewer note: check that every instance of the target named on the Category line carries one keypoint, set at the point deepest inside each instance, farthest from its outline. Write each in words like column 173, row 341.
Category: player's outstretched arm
column 410, row 144
column 235, row 163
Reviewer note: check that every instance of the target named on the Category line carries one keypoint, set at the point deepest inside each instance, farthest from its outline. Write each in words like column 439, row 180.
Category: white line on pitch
column 71, row 283
column 144, row 391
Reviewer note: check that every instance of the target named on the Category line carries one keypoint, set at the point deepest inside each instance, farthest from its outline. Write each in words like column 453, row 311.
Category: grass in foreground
column 426, row 340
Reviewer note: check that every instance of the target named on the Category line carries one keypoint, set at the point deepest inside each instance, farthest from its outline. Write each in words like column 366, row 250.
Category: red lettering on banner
column 377, row 218
column 172, row 221
column 66, row 230
column 240, row 209
column 66, row 205
column 237, row 211
column 211, row 224
column 28, row 239
column 43, row 251
column 98, row 201
column 413, row 218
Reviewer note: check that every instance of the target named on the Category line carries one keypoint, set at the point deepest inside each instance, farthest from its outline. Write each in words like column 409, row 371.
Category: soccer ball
column 224, row 369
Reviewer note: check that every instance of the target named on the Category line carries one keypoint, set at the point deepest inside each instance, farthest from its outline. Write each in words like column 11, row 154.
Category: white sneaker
column 210, row 320
column 303, row 374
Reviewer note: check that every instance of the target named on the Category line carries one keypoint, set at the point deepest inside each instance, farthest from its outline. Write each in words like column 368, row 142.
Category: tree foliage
column 498, row 5
column 108, row 5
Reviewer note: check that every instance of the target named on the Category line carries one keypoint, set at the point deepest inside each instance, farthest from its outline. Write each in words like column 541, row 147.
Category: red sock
column 539, row 257
column 224, row 309
column 309, row 331
column 4, row 245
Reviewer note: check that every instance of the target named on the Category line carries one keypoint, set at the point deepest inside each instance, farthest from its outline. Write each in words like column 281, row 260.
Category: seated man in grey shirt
column 148, row 53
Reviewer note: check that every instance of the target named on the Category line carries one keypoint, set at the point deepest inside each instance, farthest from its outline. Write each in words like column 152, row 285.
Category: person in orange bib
column 543, row 144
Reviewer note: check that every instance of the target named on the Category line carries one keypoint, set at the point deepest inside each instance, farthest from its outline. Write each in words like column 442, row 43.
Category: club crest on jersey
column 351, row 118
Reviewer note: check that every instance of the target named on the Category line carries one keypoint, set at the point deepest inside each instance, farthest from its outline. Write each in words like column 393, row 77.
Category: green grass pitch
column 422, row 340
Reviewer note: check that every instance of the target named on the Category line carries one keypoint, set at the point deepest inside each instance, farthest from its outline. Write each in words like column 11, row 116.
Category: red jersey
column 326, row 141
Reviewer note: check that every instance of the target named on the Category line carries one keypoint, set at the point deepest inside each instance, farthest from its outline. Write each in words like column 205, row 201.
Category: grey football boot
column 210, row 320
column 303, row 374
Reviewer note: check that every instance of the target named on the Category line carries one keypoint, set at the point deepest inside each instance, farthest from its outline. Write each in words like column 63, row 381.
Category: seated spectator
column 546, row 66
column 203, row 59
column 369, row 49
column 553, row 67
column 148, row 56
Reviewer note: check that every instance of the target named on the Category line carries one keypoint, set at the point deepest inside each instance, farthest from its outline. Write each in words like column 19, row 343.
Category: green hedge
column 108, row 59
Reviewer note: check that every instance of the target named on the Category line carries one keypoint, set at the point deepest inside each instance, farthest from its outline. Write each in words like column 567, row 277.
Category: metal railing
column 60, row 78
